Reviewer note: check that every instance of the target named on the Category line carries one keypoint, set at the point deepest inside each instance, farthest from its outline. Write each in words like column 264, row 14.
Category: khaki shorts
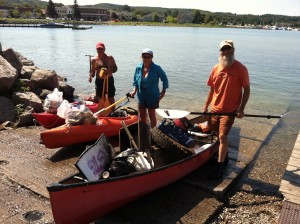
column 221, row 124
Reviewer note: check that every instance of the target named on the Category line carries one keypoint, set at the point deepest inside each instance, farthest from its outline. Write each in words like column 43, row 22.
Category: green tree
column 14, row 13
column 126, row 8
column 208, row 18
column 114, row 16
column 76, row 11
column 51, row 12
column 155, row 17
column 197, row 17
column 171, row 19
column 175, row 13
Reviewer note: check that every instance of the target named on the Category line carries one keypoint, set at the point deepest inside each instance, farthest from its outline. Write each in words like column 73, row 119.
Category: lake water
column 186, row 54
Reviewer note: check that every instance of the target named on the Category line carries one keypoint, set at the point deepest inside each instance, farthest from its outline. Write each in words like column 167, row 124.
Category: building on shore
column 87, row 14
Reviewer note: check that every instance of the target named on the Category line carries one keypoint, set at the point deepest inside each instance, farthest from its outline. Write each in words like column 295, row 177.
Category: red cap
column 100, row 45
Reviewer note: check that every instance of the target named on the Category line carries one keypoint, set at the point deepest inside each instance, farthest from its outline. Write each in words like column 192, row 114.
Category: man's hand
column 240, row 114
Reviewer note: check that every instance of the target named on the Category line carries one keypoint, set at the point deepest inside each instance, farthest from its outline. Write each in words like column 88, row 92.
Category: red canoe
column 76, row 200
column 70, row 135
column 49, row 120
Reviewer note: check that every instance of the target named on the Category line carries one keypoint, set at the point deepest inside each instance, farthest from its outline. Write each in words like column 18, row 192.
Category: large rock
column 13, row 59
column 8, row 75
column 68, row 91
column 28, row 99
column 27, row 71
column 42, row 93
column 27, row 62
column 24, row 60
column 7, row 110
column 26, row 117
column 44, row 79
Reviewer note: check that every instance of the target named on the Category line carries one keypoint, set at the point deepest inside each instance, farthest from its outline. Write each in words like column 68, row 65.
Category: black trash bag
column 121, row 167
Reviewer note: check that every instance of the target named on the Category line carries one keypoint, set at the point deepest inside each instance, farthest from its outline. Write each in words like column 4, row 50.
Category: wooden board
column 290, row 184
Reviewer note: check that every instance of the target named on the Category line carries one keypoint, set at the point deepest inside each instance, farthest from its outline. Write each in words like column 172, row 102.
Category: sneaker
column 218, row 173
column 214, row 160
column 226, row 161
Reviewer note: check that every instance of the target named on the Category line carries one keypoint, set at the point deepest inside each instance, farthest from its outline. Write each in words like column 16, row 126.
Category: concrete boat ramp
column 27, row 167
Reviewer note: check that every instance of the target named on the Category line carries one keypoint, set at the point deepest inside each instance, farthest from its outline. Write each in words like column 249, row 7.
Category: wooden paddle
column 112, row 105
column 292, row 117
column 104, row 101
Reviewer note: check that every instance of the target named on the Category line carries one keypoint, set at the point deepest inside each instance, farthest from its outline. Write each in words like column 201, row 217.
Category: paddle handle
column 129, row 135
column 234, row 114
column 112, row 105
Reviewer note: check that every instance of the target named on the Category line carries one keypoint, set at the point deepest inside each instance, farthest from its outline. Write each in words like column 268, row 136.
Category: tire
column 173, row 149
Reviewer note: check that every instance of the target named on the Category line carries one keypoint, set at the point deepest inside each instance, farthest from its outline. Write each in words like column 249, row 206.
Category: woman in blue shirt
column 145, row 82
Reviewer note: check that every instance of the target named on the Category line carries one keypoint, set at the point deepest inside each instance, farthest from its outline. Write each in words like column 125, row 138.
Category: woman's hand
column 162, row 94
column 132, row 94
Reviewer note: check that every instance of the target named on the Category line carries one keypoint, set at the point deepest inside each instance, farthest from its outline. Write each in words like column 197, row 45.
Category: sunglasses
column 146, row 56
column 226, row 48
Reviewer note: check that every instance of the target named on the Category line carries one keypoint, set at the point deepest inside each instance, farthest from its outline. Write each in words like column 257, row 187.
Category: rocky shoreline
column 24, row 87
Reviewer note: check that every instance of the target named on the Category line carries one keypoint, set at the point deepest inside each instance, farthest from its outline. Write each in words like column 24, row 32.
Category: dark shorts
column 221, row 124
column 111, row 87
column 149, row 106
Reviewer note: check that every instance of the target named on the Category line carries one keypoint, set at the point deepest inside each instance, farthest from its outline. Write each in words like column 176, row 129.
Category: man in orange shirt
column 229, row 93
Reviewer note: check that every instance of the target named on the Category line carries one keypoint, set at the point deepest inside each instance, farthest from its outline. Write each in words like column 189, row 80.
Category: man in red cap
column 103, row 66
column 229, row 93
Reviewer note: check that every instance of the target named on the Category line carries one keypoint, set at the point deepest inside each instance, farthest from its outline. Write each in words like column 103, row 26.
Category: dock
column 290, row 188
column 28, row 25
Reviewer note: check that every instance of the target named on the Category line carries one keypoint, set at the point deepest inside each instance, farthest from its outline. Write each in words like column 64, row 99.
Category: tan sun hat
column 226, row 43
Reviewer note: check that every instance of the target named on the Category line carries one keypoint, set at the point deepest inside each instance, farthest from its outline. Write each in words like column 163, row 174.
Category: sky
column 255, row 7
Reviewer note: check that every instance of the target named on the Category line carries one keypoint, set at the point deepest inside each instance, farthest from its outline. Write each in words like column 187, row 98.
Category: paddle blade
column 104, row 103
column 172, row 114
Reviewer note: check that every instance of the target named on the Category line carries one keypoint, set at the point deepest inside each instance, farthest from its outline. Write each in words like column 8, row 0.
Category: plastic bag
column 52, row 101
column 63, row 109
column 130, row 161
column 79, row 114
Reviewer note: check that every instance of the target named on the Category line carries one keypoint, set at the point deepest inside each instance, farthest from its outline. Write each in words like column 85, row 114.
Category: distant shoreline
column 37, row 23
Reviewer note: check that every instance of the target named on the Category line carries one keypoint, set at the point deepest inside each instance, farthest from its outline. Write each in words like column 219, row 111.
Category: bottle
column 105, row 175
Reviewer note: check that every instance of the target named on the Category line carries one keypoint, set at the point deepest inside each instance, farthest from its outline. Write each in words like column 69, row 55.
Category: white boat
column 77, row 27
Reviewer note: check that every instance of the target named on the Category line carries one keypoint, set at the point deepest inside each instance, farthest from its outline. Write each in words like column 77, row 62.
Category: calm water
column 186, row 54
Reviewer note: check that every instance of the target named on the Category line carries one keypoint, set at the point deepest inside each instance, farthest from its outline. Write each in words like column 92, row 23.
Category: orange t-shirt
column 228, row 84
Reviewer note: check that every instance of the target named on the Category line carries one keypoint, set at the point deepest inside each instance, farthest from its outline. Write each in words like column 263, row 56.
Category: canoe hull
column 85, row 202
column 65, row 136
column 48, row 120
